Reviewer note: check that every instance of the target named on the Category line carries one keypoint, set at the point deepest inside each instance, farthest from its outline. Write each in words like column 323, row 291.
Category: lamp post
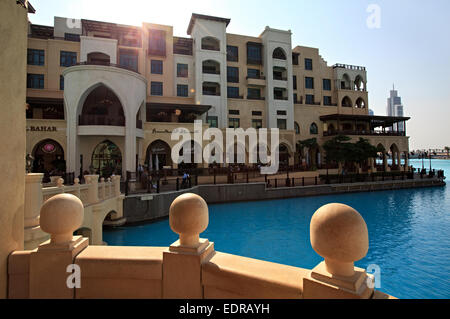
column 429, row 154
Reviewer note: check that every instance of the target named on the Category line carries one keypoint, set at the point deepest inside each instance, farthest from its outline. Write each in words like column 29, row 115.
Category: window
column 233, row 123
column 35, row 81
column 156, row 88
column 61, row 83
column 232, row 92
column 72, row 37
column 157, row 42
column 256, row 113
column 308, row 64
column 281, row 113
column 254, row 53
column 253, row 74
column 278, row 94
column 278, row 53
column 182, row 90
column 327, row 100
column 309, row 99
column 295, row 97
column 232, row 53
column 233, row 112
column 129, row 59
column 253, row 94
column 210, row 43
column 256, row 124
column 35, row 57
column 212, row 121
column 295, row 58
column 232, row 74
column 182, row 46
column 67, row 58
column 313, row 129
column 327, row 84
column 156, row 67
column 309, row 83
column 297, row 128
column 211, row 88
column 182, row 70
column 281, row 124
column 294, row 79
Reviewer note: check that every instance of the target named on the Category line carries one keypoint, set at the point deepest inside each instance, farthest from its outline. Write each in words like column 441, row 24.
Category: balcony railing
column 107, row 64
column 281, row 98
column 249, row 97
column 349, row 67
column 87, row 119
column 261, row 77
column 279, row 78
column 364, row 133
column 210, row 71
column 211, row 93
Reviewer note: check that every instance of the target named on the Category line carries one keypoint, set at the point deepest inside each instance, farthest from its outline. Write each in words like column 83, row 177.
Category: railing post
column 315, row 180
column 102, row 188
column 214, row 176
column 339, row 234
column 92, row 181
column 276, row 183
column 303, row 181
column 33, row 199
column 61, row 215
column 158, row 181
column 178, row 184
column 182, row 262
column 116, row 183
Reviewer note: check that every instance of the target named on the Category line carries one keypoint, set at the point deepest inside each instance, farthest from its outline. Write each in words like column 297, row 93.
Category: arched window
column 278, row 53
column 360, row 104
column 48, row 158
column 313, row 129
column 346, row 102
column 211, row 67
column 297, row 128
column 102, row 107
column 346, row 82
column 107, row 159
column 210, row 43
column 359, row 83
column 158, row 155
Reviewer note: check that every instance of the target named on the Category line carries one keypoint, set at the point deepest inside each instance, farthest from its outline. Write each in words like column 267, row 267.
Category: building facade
column 106, row 97
column 395, row 108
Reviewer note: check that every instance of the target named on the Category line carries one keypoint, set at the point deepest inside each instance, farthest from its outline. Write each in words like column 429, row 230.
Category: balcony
column 256, row 80
column 104, row 63
column 364, row 133
column 349, row 67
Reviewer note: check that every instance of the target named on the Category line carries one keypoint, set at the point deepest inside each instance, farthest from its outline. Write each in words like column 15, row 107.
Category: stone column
column 33, row 199
column 13, row 68
column 61, row 215
column 338, row 234
column 92, row 181
column 182, row 262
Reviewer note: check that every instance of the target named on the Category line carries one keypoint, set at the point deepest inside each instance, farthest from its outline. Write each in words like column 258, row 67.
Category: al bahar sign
column 41, row 129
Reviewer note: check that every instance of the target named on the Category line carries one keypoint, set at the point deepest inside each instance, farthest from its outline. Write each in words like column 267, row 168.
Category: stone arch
column 106, row 159
column 359, row 83
column 297, row 128
column 360, row 103
column 346, row 82
column 211, row 66
column 346, row 102
column 48, row 157
column 102, row 107
column 313, row 129
column 158, row 155
column 279, row 53
column 210, row 43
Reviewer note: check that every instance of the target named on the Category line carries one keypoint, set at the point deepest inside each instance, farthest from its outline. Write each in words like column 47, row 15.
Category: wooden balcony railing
column 364, row 133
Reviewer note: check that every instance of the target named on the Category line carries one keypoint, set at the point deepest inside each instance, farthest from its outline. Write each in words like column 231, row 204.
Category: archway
column 346, row 82
column 359, row 83
column 48, row 158
column 279, row 53
column 210, row 43
column 346, row 102
column 102, row 107
column 107, row 159
column 283, row 155
column 211, row 67
column 313, row 129
column 360, row 103
column 158, row 155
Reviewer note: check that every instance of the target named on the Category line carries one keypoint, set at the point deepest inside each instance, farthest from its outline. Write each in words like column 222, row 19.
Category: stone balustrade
column 190, row 268
column 95, row 197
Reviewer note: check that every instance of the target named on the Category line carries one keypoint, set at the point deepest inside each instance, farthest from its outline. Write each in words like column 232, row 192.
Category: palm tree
column 308, row 144
column 447, row 149
column 336, row 150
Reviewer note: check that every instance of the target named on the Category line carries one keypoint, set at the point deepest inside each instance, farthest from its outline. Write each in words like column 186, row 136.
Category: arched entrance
column 158, row 155
column 107, row 159
column 192, row 165
column 49, row 158
column 283, row 155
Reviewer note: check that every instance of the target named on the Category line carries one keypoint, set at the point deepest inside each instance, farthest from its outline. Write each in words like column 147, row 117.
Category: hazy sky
column 411, row 47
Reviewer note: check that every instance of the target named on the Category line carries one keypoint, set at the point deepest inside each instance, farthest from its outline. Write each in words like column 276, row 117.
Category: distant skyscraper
column 395, row 108
column 371, row 112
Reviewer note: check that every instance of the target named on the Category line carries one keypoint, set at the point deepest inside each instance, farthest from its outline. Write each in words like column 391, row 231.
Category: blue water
column 409, row 232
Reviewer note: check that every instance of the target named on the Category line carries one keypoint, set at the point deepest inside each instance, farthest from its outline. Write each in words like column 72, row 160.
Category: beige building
column 105, row 97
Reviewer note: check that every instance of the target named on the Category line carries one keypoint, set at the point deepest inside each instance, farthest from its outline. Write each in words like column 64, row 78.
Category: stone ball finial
column 61, row 215
column 339, row 234
column 188, row 217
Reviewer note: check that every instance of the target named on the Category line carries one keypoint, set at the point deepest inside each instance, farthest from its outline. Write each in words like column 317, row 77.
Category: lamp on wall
column 177, row 112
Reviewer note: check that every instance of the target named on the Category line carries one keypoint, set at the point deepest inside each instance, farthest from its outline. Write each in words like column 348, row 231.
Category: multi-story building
column 395, row 108
column 106, row 96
